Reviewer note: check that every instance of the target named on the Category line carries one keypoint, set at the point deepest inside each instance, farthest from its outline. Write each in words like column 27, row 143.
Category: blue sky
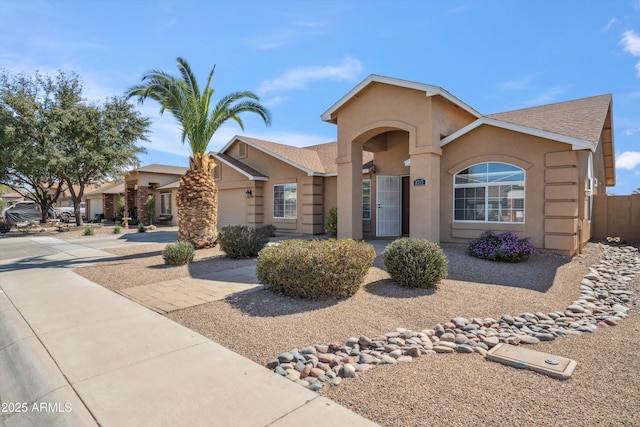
column 302, row 56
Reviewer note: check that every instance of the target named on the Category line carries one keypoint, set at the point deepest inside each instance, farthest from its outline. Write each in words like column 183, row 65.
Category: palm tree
column 197, row 195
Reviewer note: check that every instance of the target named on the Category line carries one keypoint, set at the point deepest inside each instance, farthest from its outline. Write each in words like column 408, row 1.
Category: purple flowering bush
column 501, row 247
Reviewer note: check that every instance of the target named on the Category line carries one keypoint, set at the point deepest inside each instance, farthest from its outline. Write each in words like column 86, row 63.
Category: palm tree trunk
column 197, row 204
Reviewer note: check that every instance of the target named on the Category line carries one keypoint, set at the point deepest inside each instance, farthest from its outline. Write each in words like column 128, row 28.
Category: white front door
column 389, row 206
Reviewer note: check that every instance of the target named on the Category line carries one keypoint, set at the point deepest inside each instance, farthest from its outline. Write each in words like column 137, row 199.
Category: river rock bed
column 604, row 301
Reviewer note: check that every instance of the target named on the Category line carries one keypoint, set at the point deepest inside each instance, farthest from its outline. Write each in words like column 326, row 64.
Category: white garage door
column 95, row 207
column 232, row 207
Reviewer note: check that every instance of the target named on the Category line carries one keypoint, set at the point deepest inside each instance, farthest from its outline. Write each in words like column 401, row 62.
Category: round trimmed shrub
column 178, row 253
column 117, row 229
column 415, row 263
column 315, row 269
column 242, row 241
column 88, row 231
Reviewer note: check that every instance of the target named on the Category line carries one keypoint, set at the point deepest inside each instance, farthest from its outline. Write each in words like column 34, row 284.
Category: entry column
column 424, row 220
column 350, row 193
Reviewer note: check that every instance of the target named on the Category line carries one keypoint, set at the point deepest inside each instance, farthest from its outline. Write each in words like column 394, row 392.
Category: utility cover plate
column 519, row 357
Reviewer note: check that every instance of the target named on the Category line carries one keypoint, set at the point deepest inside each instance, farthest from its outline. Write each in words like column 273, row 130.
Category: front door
column 405, row 205
column 389, row 206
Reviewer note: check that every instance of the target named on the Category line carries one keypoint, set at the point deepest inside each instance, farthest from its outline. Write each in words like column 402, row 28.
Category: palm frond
column 192, row 108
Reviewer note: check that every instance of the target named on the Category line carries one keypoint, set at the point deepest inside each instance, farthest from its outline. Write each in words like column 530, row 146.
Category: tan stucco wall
column 310, row 197
column 488, row 143
column 382, row 109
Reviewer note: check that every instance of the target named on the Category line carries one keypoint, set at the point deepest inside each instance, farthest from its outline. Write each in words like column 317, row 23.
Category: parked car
column 23, row 211
column 65, row 213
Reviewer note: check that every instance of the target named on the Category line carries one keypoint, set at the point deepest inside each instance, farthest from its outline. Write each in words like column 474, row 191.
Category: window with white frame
column 165, row 203
column 285, row 201
column 366, row 199
column 489, row 192
column 589, row 187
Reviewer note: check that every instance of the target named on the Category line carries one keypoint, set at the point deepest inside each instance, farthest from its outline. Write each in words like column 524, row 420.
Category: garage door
column 95, row 207
column 232, row 207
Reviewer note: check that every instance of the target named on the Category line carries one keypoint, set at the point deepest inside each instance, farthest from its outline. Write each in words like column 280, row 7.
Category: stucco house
column 160, row 181
column 262, row 182
column 412, row 159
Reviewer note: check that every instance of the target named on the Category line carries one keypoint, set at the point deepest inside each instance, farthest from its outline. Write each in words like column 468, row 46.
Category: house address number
column 419, row 182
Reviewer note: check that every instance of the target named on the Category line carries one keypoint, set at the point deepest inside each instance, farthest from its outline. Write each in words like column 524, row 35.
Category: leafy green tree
column 29, row 108
column 99, row 143
column 197, row 199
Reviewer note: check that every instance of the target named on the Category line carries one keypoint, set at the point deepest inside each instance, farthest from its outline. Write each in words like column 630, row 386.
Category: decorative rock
column 528, row 339
column 603, row 295
column 315, row 385
column 463, row 348
column 316, row 372
column 285, row 357
column 491, row 341
column 448, row 336
column 308, row 350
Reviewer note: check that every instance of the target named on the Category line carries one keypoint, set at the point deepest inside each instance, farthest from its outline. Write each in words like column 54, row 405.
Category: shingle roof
column 165, row 169
column 106, row 188
column 248, row 170
column 580, row 118
column 319, row 158
column 171, row 185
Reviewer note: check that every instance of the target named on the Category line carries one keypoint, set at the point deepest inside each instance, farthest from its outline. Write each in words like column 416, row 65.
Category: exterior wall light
column 248, row 193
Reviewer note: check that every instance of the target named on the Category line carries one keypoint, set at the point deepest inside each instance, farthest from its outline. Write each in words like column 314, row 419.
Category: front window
column 489, row 192
column 589, row 187
column 366, row 199
column 285, row 201
column 165, row 203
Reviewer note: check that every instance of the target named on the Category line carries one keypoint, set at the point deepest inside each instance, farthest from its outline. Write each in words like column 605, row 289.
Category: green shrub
column 415, row 262
column 178, row 253
column 88, row 231
column 134, row 222
column 268, row 230
column 315, row 269
column 331, row 222
column 117, row 229
column 241, row 241
column 141, row 228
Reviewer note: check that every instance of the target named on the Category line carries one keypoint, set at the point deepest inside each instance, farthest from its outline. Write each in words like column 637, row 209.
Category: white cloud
column 547, row 97
column 611, row 23
column 630, row 132
column 301, row 77
column 628, row 160
column 631, row 42
column 522, row 83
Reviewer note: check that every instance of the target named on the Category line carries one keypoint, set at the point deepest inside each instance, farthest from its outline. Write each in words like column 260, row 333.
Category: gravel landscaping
column 454, row 389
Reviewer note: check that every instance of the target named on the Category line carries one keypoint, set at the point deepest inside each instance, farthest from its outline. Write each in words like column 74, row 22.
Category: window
column 589, row 187
column 216, row 171
column 489, row 192
column 366, row 199
column 242, row 150
column 285, row 201
column 165, row 203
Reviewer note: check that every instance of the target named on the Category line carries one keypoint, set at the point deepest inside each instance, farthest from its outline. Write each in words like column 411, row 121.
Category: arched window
column 489, row 192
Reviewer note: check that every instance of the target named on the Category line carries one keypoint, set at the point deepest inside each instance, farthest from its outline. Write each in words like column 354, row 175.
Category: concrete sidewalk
column 75, row 354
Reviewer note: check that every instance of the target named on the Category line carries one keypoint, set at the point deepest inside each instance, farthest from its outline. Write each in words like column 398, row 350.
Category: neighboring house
column 103, row 200
column 162, row 182
column 11, row 198
column 447, row 173
column 261, row 182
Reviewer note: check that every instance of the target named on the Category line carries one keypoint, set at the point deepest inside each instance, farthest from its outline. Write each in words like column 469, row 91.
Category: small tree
column 121, row 205
column 150, row 209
